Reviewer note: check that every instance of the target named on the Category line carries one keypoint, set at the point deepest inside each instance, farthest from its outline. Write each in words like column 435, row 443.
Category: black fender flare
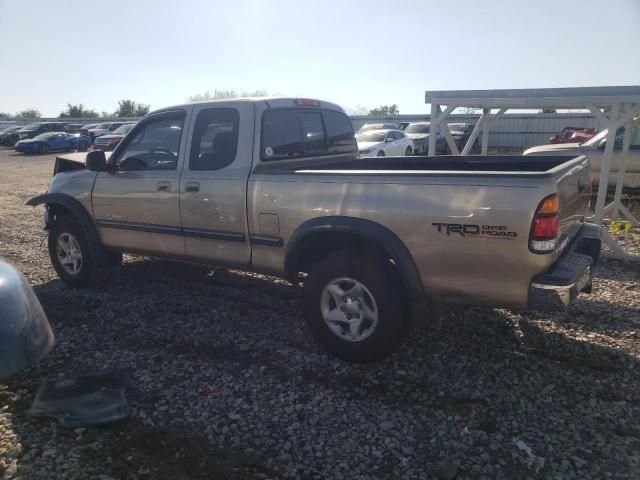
column 370, row 230
column 102, row 256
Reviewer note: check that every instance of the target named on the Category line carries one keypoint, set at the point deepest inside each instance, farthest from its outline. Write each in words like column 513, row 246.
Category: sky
column 358, row 53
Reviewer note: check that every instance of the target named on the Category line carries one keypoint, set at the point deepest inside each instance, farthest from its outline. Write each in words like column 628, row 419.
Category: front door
column 136, row 205
column 214, row 182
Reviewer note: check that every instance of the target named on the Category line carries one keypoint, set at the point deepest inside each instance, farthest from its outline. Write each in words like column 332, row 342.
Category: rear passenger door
column 214, row 182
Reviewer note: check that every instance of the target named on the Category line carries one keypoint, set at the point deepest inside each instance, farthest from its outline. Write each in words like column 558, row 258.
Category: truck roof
column 270, row 102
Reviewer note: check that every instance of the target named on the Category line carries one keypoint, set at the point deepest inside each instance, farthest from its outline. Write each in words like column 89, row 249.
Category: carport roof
column 527, row 98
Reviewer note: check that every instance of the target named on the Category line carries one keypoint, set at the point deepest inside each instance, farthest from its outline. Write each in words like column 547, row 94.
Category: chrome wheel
column 349, row 309
column 69, row 253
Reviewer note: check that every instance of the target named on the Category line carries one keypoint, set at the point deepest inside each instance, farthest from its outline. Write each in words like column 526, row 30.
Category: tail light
column 306, row 102
column 544, row 227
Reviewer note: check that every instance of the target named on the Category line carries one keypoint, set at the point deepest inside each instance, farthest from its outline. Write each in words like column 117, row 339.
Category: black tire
column 83, row 147
column 43, row 148
column 393, row 323
column 380, row 153
column 88, row 274
column 408, row 152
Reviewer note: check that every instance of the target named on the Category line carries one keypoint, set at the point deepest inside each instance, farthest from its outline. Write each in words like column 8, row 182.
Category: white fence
column 510, row 130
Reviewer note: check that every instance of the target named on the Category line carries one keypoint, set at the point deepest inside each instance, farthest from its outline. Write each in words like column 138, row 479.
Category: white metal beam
column 433, row 130
column 606, row 164
column 453, row 148
column 474, row 134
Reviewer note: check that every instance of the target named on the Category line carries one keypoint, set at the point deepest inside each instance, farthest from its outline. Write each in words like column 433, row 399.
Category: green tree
column 77, row 111
column 384, row 111
column 5, row 116
column 129, row 108
column 28, row 114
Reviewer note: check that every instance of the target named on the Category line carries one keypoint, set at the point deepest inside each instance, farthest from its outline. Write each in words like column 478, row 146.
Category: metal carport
column 614, row 107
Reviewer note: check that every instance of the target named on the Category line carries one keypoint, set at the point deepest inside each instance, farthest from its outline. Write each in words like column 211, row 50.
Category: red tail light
column 544, row 227
column 306, row 102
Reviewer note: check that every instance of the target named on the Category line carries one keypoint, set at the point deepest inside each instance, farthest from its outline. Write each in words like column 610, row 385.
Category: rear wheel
column 83, row 146
column 380, row 153
column 353, row 309
column 43, row 148
column 408, row 152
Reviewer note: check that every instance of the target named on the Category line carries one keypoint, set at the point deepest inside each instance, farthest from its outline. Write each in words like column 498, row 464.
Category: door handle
column 163, row 186
column 192, row 187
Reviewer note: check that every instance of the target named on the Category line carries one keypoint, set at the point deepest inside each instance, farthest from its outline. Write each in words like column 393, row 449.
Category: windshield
column 371, row 137
column 366, row 128
column 44, row 136
column 123, row 130
column 417, row 128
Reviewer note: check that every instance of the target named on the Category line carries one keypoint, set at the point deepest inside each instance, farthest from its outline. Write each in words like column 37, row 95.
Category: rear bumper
column 569, row 275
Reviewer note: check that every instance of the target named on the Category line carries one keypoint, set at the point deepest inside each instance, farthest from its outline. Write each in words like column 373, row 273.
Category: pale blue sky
column 352, row 52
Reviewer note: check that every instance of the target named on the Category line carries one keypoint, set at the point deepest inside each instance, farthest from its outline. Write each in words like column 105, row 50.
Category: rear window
column 292, row 133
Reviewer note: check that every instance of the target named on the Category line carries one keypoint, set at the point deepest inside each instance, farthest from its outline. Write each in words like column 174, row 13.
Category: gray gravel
column 228, row 384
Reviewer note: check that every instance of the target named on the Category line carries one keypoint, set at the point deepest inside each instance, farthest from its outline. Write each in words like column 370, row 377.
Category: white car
column 381, row 143
column 594, row 149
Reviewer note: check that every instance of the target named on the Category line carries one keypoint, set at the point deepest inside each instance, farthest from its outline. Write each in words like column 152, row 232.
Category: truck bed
column 536, row 166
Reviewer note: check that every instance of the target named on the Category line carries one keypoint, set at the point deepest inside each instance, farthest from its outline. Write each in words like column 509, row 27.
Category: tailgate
column 574, row 191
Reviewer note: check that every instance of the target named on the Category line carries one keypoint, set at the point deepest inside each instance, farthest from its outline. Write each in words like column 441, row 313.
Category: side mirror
column 602, row 143
column 96, row 161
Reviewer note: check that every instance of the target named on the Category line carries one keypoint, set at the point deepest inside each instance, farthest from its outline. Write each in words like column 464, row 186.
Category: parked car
column 111, row 140
column 25, row 333
column 33, row 130
column 594, row 149
column 277, row 186
column 85, row 128
column 5, row 134
column 573, row 135
column 104, row 128
column 381, row 143
column 419, row 133
column 73, row 127
column 53, row 141
column 377, row 126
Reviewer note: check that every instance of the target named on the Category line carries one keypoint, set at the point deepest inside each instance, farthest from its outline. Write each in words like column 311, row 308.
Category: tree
column 28, row 114
column 221, row 94
column 5, row 116
column 357, row 110
column 129, row 108
column 384, row 111
column 77, row 111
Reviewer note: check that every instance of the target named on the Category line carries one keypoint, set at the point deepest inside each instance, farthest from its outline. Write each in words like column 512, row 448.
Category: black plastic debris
column 84, row 400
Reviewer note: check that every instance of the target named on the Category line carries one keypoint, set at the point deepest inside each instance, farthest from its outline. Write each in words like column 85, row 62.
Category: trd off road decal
column 469, row 230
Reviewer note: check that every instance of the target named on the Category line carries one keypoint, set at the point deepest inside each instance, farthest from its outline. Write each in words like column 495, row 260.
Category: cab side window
column 215, row 139
column 154, row 146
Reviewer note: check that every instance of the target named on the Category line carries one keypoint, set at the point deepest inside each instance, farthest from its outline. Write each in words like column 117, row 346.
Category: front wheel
column 380, row 153
column 43, row 148
column 353, row 309
column 83, row 147
column 408, row 152
column 70, row 253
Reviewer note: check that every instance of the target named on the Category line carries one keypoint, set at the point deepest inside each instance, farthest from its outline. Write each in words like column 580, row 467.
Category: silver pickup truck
column 277, row 186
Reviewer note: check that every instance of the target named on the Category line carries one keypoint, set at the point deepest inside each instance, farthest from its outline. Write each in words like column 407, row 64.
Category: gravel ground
column 228, row 384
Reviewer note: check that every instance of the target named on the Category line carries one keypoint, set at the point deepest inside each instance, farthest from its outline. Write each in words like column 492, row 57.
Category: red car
column 573, row 135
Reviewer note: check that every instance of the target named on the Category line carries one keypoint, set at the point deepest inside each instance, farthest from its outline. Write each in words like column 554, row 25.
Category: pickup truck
column 277, row 186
